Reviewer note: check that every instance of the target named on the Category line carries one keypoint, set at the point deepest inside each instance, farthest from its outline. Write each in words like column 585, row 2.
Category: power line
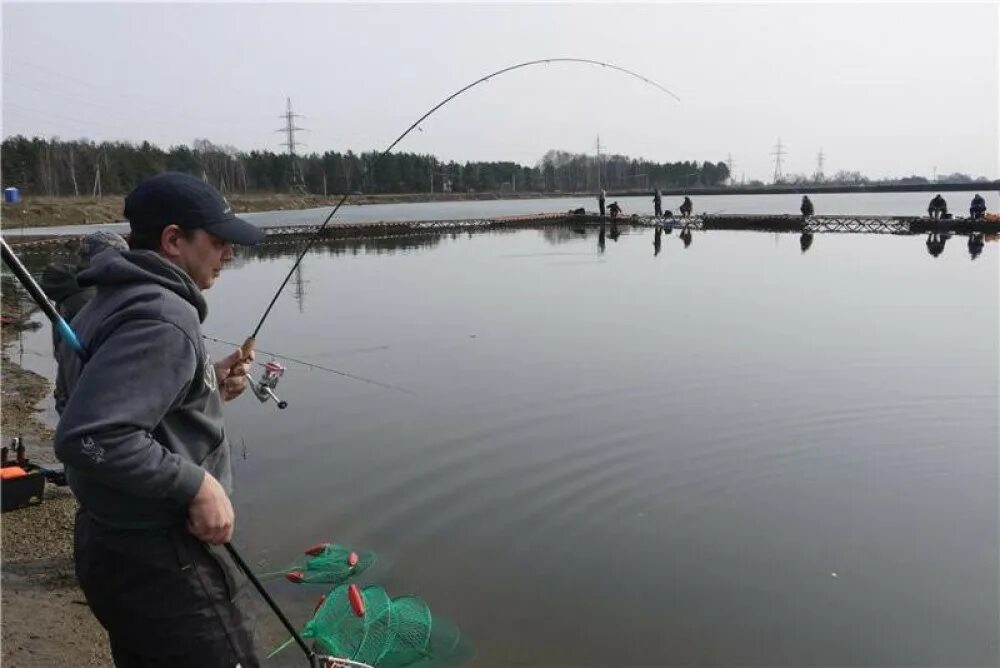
column 599, row 161
column 297, row 182
column 778, row 153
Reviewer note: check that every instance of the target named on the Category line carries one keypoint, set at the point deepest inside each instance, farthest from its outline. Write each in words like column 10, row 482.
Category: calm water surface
column 733, row 453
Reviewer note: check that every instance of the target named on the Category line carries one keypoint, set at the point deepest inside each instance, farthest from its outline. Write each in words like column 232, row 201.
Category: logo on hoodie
column 209, row 376
column 92, row 450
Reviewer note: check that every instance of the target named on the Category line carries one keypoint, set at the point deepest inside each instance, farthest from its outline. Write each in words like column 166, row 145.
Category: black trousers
column 165, row 598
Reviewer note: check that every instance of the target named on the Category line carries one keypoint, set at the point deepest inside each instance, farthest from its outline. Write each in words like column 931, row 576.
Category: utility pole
column 297, row 182
column 819, row 167
column 729, row 165
column 72, row 172
column 598, row 163
column 300, row 291
column 778, row 153
column 97, row 180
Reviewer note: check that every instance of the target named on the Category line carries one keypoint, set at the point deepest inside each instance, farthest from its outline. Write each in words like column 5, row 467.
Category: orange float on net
column 357, row 602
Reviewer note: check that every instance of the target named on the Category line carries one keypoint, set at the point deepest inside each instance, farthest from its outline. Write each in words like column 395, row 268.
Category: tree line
column 85, row 168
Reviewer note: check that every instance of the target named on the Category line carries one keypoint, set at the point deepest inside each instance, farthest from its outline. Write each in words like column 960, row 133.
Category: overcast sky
column 884, row 89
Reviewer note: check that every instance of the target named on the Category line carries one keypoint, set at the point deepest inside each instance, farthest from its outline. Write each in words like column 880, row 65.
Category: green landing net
column 326, row 563
column 366, row 626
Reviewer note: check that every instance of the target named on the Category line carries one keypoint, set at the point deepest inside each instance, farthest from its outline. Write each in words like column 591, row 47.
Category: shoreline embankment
column 46, row 620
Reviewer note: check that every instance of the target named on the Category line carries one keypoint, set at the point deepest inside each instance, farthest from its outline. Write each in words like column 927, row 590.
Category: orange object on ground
column 11, row 472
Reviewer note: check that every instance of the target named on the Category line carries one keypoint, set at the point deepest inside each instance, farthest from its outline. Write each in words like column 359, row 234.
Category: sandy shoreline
column 45, row 619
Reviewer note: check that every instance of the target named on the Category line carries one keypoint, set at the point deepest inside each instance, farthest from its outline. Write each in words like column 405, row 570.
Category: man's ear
column 170, row 237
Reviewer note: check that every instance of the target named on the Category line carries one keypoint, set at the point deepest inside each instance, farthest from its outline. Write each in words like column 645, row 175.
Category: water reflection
column 600, row 239
column 615, row 232
column 280, row 248
column 976, row 242
column 657, row 241
column 806, row 241
column 560, row 234
column 685, row 236
column 936, row 242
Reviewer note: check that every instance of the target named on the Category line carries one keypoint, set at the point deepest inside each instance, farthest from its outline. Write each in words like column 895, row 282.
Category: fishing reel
column 263, row 389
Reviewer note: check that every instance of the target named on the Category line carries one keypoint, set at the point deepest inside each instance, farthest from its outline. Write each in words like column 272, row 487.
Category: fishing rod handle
column 39, row 297
column 246, row 354
column 246, row 350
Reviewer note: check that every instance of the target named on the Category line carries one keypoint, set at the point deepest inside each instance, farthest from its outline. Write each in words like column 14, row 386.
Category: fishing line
column 318, row 366
column 249, row 343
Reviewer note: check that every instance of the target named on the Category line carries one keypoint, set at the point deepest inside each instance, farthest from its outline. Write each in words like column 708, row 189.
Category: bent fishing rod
column 248, row 345
column 69, row 336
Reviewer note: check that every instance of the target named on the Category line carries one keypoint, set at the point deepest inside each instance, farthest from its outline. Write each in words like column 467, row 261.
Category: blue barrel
column 11, row 195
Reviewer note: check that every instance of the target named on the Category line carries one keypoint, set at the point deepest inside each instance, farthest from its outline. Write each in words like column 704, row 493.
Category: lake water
column 732, row 453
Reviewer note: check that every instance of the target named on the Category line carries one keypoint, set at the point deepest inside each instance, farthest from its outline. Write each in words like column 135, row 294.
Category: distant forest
column 84, row 168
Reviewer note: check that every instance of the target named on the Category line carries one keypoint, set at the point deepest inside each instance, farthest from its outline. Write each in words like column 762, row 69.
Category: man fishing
column 977, row 209
column 937, row 208
column 686, row 207
column 60, row 285
column 807, row 208
column 143, row 439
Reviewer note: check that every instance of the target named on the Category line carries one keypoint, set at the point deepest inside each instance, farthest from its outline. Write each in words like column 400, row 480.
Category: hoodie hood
column 59, row 282
column 112, row 267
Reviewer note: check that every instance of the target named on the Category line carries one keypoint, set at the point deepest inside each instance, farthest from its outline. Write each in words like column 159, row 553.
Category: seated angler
column 686, row 207
column 978, row 207
column 937, row 207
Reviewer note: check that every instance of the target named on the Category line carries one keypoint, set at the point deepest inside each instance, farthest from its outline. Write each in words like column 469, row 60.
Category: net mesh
column 326, row 564
column 338, row 631
column 365, row 627
column 410, row 632
column 333, row 565
column 392, row 633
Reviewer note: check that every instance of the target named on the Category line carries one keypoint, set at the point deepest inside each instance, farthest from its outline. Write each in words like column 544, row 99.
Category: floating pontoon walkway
column 770, row 223
column 766, row 223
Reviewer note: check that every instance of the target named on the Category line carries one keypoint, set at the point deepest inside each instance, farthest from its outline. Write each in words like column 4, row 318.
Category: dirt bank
column 46, row 620
column 52, row 211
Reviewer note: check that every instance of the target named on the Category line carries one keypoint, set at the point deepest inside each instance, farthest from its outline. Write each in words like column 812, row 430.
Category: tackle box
column 21, row 486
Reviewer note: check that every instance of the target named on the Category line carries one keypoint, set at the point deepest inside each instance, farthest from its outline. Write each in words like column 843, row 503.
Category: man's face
column 202, row 256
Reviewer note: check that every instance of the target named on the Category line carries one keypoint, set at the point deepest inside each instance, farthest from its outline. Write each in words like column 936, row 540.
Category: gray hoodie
column 144, row 416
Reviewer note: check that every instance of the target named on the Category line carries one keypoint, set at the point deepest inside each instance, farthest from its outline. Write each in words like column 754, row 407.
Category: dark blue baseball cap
column 190, row 203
